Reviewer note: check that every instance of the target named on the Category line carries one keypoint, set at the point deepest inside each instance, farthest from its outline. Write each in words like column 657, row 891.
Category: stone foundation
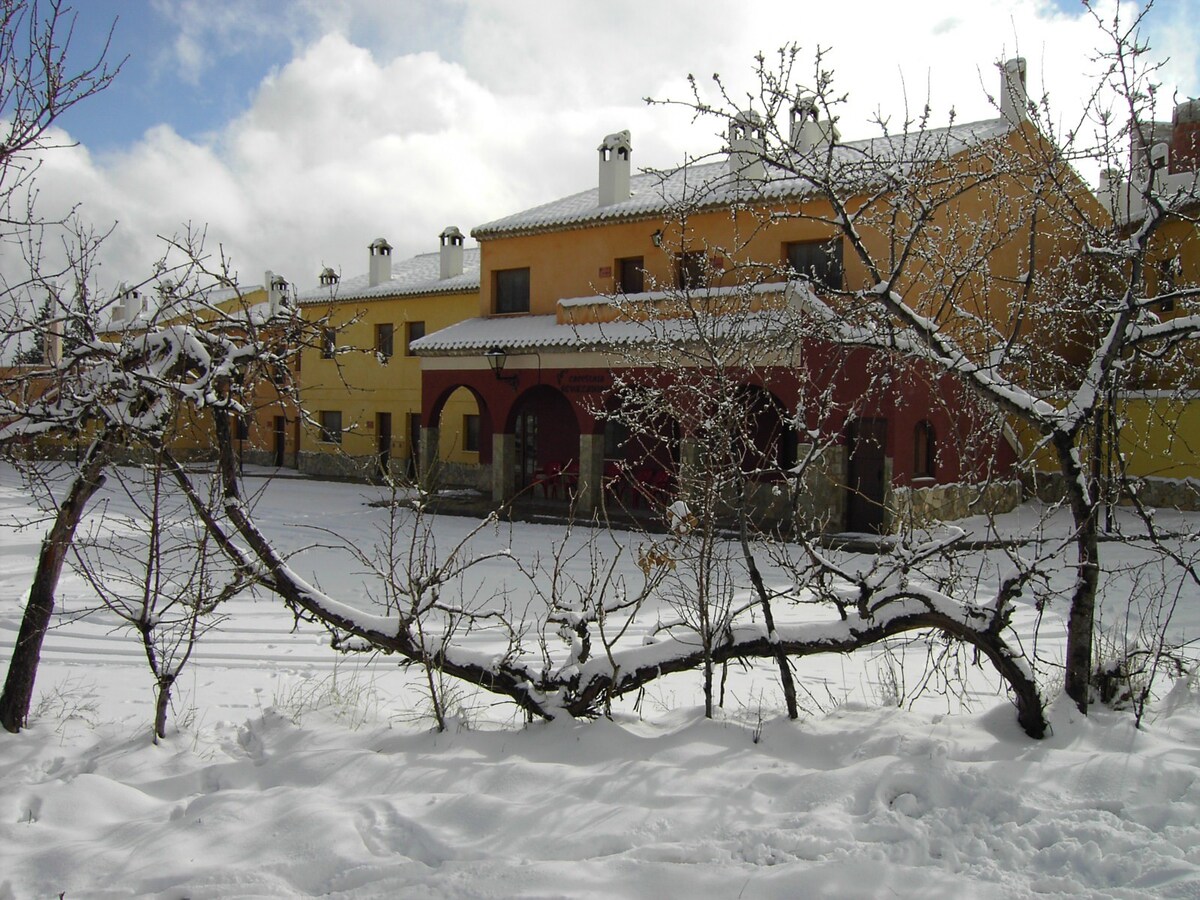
column 477, row 477
column 1160, row 493
column 947, row 502
column 337, row 466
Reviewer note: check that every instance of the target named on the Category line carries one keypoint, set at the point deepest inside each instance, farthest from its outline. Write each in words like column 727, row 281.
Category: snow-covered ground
column 292, row 771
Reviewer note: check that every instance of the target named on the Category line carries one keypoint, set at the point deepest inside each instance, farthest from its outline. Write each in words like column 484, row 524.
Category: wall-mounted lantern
column 496, row 358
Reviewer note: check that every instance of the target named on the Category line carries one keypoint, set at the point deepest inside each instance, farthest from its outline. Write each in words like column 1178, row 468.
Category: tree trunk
column 764, row 602
column 22, row 668
column 1081, row 620
column 162, row 705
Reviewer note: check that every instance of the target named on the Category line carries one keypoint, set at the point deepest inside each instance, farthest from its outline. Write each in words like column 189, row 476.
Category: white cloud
column 351, row 140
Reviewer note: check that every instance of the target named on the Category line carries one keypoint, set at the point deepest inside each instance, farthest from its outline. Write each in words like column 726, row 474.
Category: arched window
column 924, row 450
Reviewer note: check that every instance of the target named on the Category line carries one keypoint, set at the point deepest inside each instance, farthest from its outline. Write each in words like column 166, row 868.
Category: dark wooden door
column 280, row 441
column 867, row 450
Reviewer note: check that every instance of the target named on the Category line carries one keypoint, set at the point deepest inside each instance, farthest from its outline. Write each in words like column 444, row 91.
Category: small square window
column 1169, row 271
column 691, row 270
column 512, row 290
column 384, row 340
column 328, row 343
column 471, row 433
column 416, row 331
column 631, row 275
column 331, row 426
column 818, row 261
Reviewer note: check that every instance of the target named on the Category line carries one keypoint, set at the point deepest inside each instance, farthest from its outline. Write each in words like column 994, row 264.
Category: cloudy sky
column 296, row 131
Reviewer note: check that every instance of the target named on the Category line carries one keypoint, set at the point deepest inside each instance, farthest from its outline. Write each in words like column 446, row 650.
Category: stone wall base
column 337, row 466
column 1160, row 493
column 947, row 502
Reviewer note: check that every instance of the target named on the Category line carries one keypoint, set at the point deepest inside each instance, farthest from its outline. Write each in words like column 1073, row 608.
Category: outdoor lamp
column 496, row 358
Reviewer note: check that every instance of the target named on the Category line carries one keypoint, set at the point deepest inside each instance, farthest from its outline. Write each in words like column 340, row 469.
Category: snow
column 418, row 275
column 545, row 332
column 708, row 184
column 293, row 771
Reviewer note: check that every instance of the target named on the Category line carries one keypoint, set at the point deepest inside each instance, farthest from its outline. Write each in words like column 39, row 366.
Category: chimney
column 747, row 143
column 329, row 278
column 1014, row 99
column 381, row 262
column 808, row 132
column 615, row 152
column 276, row 286
column 131, row 302
column 53, row 338
column 451, row 253
column 1185, row 138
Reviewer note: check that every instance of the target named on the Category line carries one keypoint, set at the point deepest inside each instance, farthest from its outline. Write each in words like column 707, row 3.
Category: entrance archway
column 546, row 441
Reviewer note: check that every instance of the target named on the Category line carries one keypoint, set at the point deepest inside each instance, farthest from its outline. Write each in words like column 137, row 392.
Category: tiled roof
column 417, row 275
column 710, row 184
column 522, row 334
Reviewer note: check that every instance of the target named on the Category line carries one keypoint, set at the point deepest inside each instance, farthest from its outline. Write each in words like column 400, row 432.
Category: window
column 691, row 270
column 512, row 290
column 416, row 331
column 384, row 344
column 616, row 435
column 331, row 426
column 471, row 433
column 328, row 343
column 924, row 450
column 789, row 447
column 820, row 261
column 631, row 275
column 1169, row 271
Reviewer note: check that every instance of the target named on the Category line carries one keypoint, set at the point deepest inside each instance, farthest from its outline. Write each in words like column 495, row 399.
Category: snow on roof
column 204, row 298
column 709, row 184
column 417, row 275
column 518, row 334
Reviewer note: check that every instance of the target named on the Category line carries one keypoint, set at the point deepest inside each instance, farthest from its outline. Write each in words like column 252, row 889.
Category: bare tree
column 978, row 252
column 124, row 392
column 973, row 247
column 40, row 81
column 160, row 571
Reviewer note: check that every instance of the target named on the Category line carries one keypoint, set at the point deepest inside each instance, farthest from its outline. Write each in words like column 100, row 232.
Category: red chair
column 569, row 478
column 549, row 478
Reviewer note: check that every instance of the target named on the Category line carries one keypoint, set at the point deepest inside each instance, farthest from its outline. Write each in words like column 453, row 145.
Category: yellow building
column 268, row 431
column 1160, row 406
column 361, row 389
column 560, row 284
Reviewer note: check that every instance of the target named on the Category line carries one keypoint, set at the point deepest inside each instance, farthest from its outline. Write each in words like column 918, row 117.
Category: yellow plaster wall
column 1160, row 437
column 360, row 386
column 581, row 262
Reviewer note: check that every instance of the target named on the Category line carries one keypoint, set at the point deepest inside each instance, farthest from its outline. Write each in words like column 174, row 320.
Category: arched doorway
column 452, row 440
column 546, row 442
column 768, row 436
column 641, row 457
column 463, row 434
